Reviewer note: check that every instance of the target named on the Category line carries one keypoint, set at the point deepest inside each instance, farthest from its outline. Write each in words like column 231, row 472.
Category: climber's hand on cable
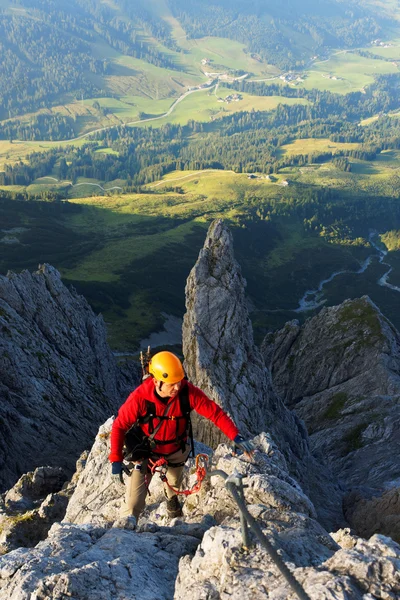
column 246, row 446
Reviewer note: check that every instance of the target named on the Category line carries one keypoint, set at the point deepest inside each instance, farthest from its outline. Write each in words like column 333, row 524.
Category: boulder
column 202, row 556
column 30, row 508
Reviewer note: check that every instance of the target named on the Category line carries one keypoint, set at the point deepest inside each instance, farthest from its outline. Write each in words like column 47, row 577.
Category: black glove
column 245, row 446
column 116, row 471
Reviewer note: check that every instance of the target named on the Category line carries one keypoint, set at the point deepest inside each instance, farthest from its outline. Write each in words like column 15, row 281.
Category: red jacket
column 135, row 407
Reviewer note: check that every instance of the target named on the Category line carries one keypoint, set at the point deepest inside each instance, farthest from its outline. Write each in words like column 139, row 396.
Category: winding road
column 169, row 111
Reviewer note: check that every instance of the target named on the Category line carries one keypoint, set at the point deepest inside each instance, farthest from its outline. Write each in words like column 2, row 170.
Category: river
column 313, row 299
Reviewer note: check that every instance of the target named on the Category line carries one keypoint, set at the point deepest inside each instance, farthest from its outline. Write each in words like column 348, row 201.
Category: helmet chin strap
column 158, row 385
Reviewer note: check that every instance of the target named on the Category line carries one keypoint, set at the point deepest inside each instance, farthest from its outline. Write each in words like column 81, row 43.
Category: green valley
column 142, row 122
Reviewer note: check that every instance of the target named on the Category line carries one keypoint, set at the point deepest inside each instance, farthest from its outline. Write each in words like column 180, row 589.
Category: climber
column 156, row 408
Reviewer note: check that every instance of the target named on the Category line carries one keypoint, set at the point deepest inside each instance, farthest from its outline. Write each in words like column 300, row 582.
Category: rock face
column 376, row 514
column 222, row 359
column 88, row 556
column 341, row 373
column 30, row 508
column 58, row 377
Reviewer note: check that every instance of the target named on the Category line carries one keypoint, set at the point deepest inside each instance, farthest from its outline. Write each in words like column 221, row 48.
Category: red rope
column 161, row 465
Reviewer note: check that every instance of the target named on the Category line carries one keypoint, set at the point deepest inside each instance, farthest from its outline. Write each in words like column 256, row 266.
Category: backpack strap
column 164, row 415
column 149, row 416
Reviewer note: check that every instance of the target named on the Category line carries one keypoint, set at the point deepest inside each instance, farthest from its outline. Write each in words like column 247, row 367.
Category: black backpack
column 138, row 446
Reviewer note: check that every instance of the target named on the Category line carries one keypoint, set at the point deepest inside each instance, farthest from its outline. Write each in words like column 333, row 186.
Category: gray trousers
column 136, row 489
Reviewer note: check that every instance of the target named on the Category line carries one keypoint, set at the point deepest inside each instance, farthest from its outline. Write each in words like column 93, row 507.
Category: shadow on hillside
column 133, row 268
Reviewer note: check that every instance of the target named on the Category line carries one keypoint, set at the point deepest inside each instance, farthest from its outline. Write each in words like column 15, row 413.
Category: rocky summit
column 340, row 371
column 58, row 377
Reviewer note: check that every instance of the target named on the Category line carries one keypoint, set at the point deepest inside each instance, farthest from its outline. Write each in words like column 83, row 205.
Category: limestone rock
column 222, row 359
column 34, row 486
column 218, row 345
column 377, row 514
column 220, row 569
column 352, row 344
column 97, row 499
column 341, row 373
column 30, row 508
column 58, row 377
column 88, row 562
column 327, row 566
column 162, row 558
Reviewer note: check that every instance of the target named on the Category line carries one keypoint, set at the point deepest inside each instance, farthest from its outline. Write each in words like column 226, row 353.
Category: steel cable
column 233, row 488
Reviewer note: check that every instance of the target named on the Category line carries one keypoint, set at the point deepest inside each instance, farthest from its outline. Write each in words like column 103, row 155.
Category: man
column 156, row 405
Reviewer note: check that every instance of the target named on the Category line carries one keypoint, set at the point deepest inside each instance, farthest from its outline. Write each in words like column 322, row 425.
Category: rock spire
column 222, row 359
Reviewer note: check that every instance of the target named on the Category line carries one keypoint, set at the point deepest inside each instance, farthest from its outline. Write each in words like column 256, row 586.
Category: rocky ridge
column 222, row 359
column 91, row 554
column 58, row 377
column 340, row 371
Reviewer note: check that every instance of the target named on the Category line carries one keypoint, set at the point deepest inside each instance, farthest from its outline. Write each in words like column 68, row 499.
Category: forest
column 49, row 51
column 245, row 142
column 56, row 50
column 269, row 30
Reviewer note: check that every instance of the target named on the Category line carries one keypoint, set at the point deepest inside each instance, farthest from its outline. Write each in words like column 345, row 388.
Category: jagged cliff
column 58, row 378
column 340, row 371
column 91, row 554
column 222, row 359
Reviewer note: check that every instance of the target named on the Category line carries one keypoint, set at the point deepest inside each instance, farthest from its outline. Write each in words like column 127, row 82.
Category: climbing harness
column 160, row 466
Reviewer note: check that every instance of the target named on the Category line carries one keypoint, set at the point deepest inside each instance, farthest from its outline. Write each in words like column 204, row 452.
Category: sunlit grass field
column 143, row 234
column 352, row 72
column 203, row 106
column 130, row 254
column 311, row 145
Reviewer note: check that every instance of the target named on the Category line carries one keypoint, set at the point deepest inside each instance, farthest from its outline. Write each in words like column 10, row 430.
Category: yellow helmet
column 166, row 367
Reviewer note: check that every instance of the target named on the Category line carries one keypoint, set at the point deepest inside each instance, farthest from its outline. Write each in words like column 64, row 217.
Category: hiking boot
column 128, row 522
column 174, row 509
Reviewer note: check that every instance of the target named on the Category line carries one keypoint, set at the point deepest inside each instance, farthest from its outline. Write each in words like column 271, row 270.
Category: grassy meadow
column 346, row 72
column 314, row 145
column 203, row 106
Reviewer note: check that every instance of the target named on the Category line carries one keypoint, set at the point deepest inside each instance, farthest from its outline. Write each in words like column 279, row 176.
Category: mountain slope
column 283, row 33
column 56, row 51
column 58, row 377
